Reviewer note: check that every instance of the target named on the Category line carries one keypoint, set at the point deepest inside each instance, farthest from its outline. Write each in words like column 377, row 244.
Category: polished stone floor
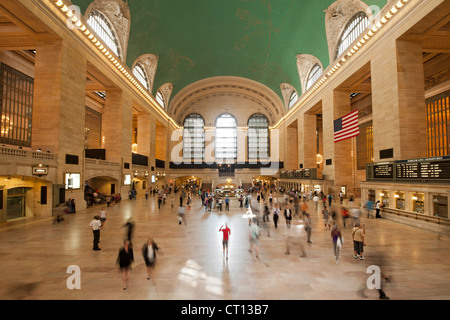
column 35, row 255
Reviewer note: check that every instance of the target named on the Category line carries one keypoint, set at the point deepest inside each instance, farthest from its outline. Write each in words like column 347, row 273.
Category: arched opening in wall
column 101, row 25
column 189, row 183
column 354, row 28
column 263, row 182
column 97, row 190
column 226, row 148
column 141, row 75
column 194, row 137
column 313, row 75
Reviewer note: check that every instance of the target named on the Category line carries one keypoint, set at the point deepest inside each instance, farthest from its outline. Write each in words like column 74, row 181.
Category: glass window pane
column 100, row 25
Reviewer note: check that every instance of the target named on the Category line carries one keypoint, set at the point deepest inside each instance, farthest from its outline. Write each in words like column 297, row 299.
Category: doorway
column 15, row 204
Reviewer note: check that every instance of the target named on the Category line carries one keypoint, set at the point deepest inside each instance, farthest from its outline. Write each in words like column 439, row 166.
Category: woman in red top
column 226, row 233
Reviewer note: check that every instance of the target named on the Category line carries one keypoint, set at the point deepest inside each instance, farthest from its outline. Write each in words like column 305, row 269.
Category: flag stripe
column 350, row 127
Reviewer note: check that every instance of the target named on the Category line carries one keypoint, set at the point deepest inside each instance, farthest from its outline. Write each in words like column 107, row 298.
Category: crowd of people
column 271, row 204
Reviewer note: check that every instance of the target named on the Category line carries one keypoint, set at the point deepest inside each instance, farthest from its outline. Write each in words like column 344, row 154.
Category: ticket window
column 399, row 200
column 384, row 198
column 418, row 202
column 317, row 188
column 440, row 204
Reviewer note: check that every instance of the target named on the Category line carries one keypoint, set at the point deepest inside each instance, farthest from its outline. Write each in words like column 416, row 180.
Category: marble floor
column 35, row 255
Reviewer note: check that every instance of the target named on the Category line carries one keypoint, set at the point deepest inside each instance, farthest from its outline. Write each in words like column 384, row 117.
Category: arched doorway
column 98, row 189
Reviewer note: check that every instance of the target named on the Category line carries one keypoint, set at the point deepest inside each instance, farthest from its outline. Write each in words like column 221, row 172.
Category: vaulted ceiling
column 253, row 39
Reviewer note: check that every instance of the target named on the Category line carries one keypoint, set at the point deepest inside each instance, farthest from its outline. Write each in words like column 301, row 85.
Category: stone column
column 307, row 141
column 118, row 129
column 398, row 99
column 59, row 109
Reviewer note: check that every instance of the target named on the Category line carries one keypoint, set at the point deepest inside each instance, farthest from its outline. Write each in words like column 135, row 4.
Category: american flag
column 346, row 127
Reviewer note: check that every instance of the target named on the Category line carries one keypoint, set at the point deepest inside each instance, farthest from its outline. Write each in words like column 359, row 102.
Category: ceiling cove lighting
column 363, row 39
column 102, row 49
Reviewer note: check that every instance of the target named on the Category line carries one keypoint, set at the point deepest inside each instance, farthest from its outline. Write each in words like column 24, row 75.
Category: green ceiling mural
column 254, row 39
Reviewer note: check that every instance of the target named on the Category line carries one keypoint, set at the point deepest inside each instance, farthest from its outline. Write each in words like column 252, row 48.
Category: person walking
column 276, row 215
column 316, row 202
column 326, row 216
column 149, row 254
column 308, row 227
column 129, row 229
column 181, row 215
column 226, row 235
column 255, row 233
column 103, row 216
column 96, row 225
column 358, row 233
column 377, row 209
column 337, row 240
column 125, row 259
column 227, row 203
column 304, row 208
column 288, row 216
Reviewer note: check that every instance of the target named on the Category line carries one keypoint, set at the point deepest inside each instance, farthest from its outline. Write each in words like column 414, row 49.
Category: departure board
column 437, row 168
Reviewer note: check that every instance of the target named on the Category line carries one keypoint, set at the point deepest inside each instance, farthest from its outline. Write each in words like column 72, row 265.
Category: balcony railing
column 27, row 156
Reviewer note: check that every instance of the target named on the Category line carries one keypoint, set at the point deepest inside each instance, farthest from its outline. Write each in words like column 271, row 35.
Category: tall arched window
column 194, row 137
column 357, row 24
column 160, row 99
column 313, row 76
column 101, row 26
column 141, row 75
column 226, row 137
column 258, row 137
column 293, row 99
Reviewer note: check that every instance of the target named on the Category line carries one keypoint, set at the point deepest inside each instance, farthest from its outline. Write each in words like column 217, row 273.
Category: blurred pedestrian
column 129, row 225
column 288, row 216
column 325, row 217
column 254, row 235
column 181, row 215
column 336, row 238
column 308, row 227
column 295, row 234
column 103, row 215
column 276, row 214
column 149, row 254
column 125, row 259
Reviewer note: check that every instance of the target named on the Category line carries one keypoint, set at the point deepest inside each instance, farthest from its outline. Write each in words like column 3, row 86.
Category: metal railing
column 418, row 216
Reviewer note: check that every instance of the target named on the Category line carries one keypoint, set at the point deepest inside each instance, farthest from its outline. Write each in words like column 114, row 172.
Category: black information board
column 437, row 168
column 383, row 171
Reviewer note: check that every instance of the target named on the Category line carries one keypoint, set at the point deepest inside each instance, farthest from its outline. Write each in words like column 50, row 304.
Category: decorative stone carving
column 166, row 90
column 336, row 17
column 437, row 79
column 286, row 91
column 150, row 63
column 305, row 62
column 118, row 13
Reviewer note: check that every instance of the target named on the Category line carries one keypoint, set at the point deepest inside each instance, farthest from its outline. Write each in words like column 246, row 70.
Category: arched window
column 293, row 99
column 101, row 26
column 357, row 24
column 194, row 137
column 160, row 99
column 258, row 137
column 141, row 75
column 226, row 137
column 313, row 76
